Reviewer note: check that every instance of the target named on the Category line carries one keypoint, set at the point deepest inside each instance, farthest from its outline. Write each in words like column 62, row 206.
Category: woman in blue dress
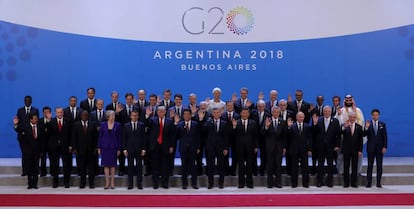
column 109, row 146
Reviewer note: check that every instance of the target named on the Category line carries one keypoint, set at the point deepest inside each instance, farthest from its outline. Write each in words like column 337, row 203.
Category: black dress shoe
column 155, row 187
column 130, row 187
column 354, row 185
column 82, row 187
column 140, row 187
column 23, row 174
column 379, row 185
column 221, row 186
column 29, row 187
column 147, row 174
column 195, row 187
column 250, row 186
column 67, row 186
column 346, row 185
column 35, row 187
column 91, row 186
column 319, row 184
column 278, row 186
column 210, row 186
column 42, row 174
column 294, row 185
column 55, row 185
column 120, row 173
column 330, row 185
column 269, row 186
column 165, row 186
column 185, row 187
column 368, row 185
column 306, row 186
column 240, row 186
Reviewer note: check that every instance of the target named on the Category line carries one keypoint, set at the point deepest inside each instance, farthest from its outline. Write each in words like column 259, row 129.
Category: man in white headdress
column 342, row 115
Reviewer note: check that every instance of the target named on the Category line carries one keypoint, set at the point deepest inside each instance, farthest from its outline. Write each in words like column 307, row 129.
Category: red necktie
column 161, row 131
column 34, row 132
column 60, row 125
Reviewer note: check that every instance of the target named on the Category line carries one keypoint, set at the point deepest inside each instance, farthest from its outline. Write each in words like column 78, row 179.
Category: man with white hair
column 343, row 116
column 273, row 101
column 216, row 102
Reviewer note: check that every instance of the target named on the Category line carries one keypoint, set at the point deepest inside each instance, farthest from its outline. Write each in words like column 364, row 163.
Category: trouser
column 159, row 165
column 351, row 159
column 262, row 155
column 87, row 166
column 274, row 166
column 246, row 158
column 31, row 164
column 199, row 158
column 378, row 156
column 57, row 153
column 212, row 156
column 188, row 166
column 43, row 158
column 121, row 162
column 325, row 152
column 135, row 166
column 301, row 158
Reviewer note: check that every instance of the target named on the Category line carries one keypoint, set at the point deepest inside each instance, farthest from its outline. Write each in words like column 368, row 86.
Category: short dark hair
column 47, row 108
column 28, row 97
column 90, row 88
column 135, row 111
column 129, row 94
column 153, row 95
column 336, row 97
column 375, row 110
column 186, row 110
column 229, row 101
column 73, row 97
column 31, row 116
column 167, row 91
column 178, row 95
column 245, row 108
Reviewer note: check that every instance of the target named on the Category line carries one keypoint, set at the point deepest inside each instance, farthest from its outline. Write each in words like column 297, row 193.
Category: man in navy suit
column 161, row 145
column 60, row 146
column 23, row 114
column 142, row 102
column 153, row 106
column 376, row 133
column 327, row 132
column 192, row 104
column 299, row 105
column 116, row 106
column 243, row 102
column 188, row 135
column 84, row 144
column 285, row 113
column 300, row 147
column 45, row 150
column 72, row 112
column 201, row 117
column 134, row 147
column 246, row 131
column 32, row 136
column 228, row 116
column 98, row 115
column 351, row 148
column 272, row 101
column 166, row 102
column 217, row 146
column 274, row 131
column 89, row 104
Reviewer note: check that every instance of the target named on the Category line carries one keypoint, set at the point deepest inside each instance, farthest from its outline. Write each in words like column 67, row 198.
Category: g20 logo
column 197, row 21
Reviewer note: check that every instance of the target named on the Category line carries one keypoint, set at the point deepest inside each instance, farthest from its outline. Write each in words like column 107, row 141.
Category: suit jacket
column 352, row 144
column 299, row 142
column 171, row 104
column 168, row 133
column 188, row 139
column 330, row 137
column 84, row 105
column 134, row 141
column 67, row 113
column 29, row 144
column 118, row 117
column 143, row 112
column 275, row 137
column 23, row 117
column 174, row 108
column 305, row 107
column 238, row 105
column 45, row 139
column 318, row 110
column 93, row 116
column 59, row 138
column 254, row 115
column 85, row 142
column 125, row 118
column 268, row 107
column 289, row 114
column 146, row 103
column 378, row 141
column 216, row 140
column 110, row 139
column 247, row 137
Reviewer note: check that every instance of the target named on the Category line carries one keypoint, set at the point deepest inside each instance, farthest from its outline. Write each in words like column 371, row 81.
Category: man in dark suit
column 23, row 114
column 166, row 102
column 299, row 105
column 217, row 147
column 153, row 106
column 175, row 111
column 188, row 135
column 272, row 101
column 60, row 146
column 98, row 115
column 72, row 112
column 377, row 143
column 116, row 106
column 285, row 113
column 84, row 142
column 129, row 106
column 89, row 104
column 274, row 131
column 246, row 132
column 300, row 147
column 259, row 115
column 32, row 136
column 327, row 132
column 243, row 102
column 134, row 146
column 192, row 104
column 202, row 116
column 44, row 152
column 161, row 145
column 228, row 116
column 142, row 102
column 336, row 105
column 351, row 148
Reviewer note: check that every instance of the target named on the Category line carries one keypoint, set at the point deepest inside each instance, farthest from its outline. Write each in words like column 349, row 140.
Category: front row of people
column 158, row 135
